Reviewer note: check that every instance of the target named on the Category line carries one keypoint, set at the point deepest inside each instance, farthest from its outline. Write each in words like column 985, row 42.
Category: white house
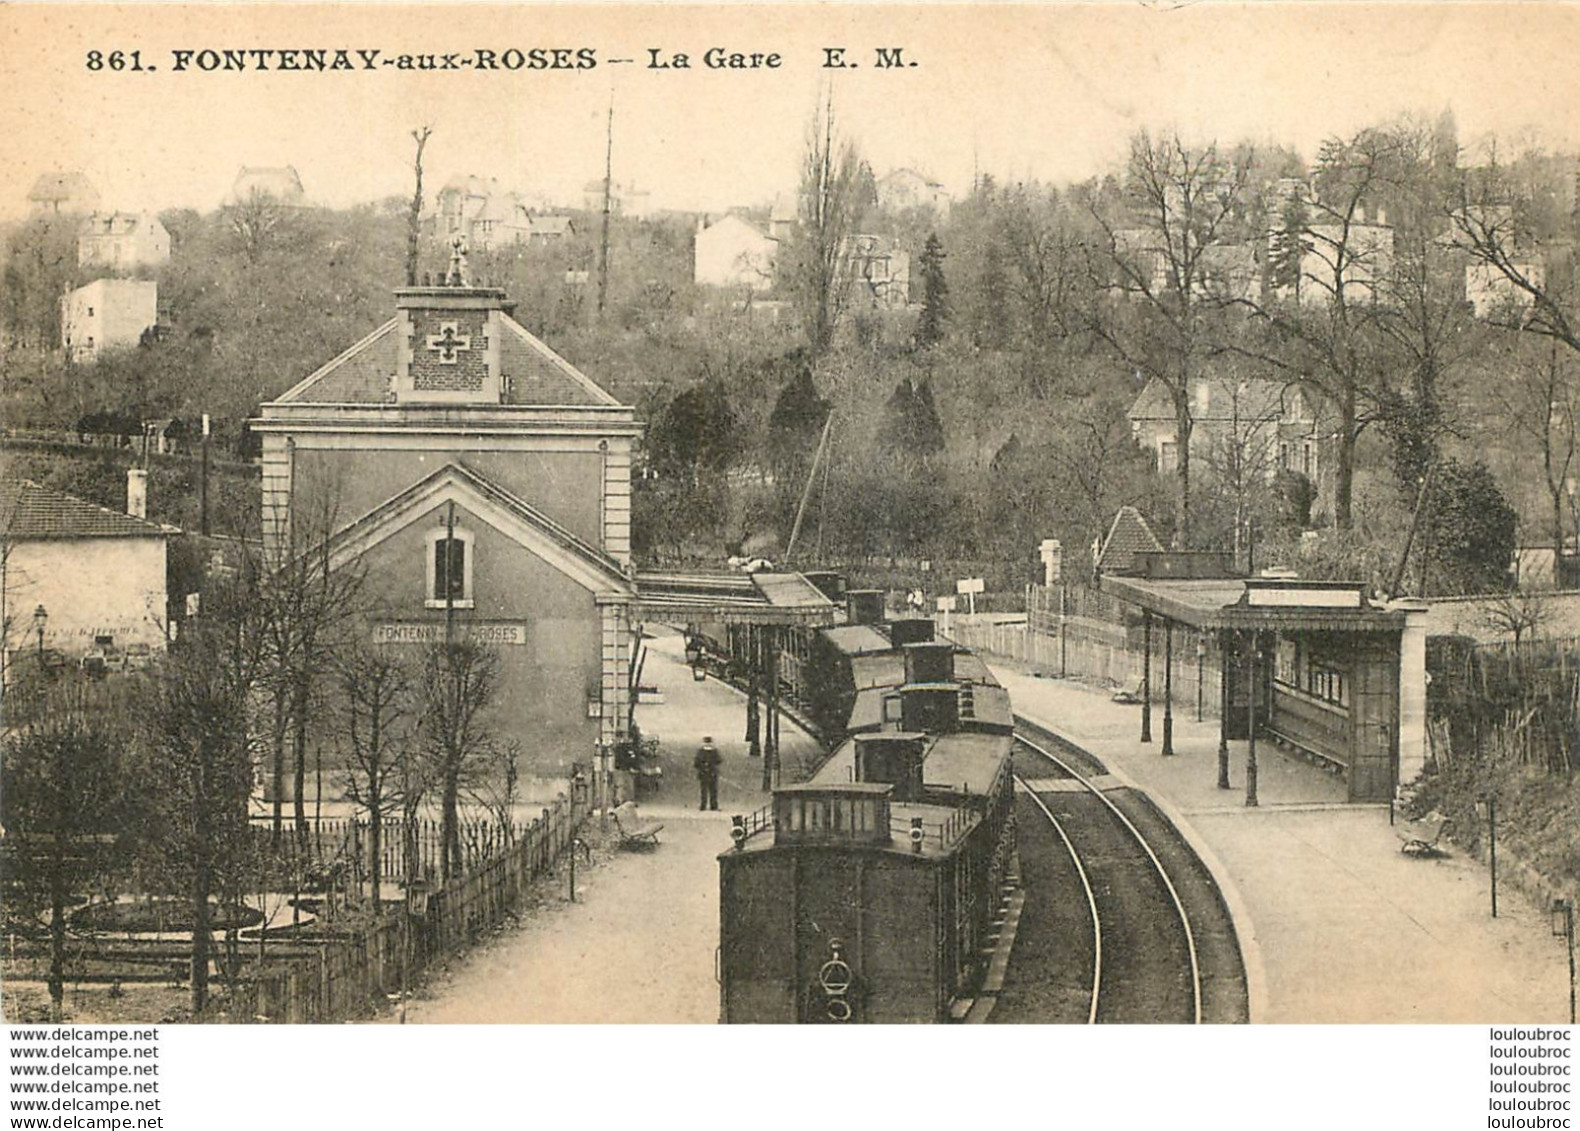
column 734, row 252
column 122, row 241
column 1490, row 292
column 94, row 573
column 906, row 188
column 107, row 313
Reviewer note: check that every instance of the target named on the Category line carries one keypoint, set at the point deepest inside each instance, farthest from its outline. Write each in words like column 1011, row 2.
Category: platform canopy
column 739, row 598
column 1248, row 603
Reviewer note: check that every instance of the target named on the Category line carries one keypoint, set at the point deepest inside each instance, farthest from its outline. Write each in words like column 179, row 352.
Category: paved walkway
column 638, row 945
column 1336, row 923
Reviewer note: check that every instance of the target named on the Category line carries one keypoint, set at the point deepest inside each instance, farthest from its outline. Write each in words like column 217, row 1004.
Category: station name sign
column 429, row 632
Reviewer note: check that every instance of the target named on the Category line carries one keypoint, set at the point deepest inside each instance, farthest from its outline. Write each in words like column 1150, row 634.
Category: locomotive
column 868, row 892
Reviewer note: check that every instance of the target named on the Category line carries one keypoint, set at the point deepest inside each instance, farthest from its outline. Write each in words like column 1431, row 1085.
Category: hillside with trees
column 992, row 409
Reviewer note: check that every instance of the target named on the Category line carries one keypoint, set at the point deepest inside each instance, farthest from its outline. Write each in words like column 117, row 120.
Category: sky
column 1049, row 91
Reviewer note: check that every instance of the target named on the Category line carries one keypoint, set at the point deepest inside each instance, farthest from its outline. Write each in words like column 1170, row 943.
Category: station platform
column 1336, row 924
column 638, row 945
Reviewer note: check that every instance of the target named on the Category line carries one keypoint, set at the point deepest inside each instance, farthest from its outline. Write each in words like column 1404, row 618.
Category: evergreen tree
column 935, row 298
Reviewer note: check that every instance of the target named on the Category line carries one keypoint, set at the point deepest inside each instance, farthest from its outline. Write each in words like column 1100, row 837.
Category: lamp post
column 1487, row 807
column 417, row 892
column 1564, row 925
column 1201, row 663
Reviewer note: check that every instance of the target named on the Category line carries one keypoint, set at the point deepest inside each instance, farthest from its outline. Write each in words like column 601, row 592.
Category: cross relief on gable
column 448, row 343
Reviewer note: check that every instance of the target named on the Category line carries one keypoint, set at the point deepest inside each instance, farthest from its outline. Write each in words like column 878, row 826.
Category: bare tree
column 833, row 180
column 1491, row 221
column 1541, row 399
column 68, row 801
column 375, row 697
column 311, row 602
column 1242, row 451
column 255, row 221
column 1160, row 258
column 196, row 727
column 1325, row 331
column 459, row 681
column 414, row 216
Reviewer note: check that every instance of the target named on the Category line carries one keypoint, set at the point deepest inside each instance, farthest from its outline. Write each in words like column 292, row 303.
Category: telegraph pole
column 608, row 193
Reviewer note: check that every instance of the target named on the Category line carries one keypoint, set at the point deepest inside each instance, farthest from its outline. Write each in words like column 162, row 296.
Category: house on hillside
column 1262, row 426
column 122, row 241
column 278, row 183
column 904, row 189
column 78, row 576
column 1355, row 253
column 485, row 215
column 880, row 272
column 107, row 313
column 64, row 192
column 624, row 199
column 1491, row 293
column 734, row 252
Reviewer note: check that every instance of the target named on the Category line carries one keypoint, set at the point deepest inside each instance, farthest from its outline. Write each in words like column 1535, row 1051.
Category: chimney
column 910, row 630
column 137, row 492
column 894, row 758
column 930, row 662
column 864, row 606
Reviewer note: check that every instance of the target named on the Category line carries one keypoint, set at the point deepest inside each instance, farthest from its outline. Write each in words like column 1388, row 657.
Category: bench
column 633, row 830
column 1420, row 838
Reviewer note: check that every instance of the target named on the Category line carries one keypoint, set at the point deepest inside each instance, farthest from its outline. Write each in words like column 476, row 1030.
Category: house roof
column 364, row 374
column 53, row 188
column 736, row 220
column 1228, row 398
column 1128, row 534
column 1257, row 603
column 281, row 182
column 31, row 512
column 759, row 598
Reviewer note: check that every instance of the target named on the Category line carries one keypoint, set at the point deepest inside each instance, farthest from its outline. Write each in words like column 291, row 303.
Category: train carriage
column 868, row 893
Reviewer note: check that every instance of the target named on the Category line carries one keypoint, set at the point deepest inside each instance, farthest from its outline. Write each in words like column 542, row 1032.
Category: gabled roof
column 280, row 182
column 1228, row 399
column 54, row 188
column 506, row 512
column 364, row 373
column 1128, row 534
column 31, row 512
column 736, row 220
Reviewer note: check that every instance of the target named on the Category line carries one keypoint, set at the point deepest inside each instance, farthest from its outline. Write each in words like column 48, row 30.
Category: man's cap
column 707, row 738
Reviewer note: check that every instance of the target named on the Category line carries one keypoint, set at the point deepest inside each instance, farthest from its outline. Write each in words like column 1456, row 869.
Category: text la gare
column 714, row 58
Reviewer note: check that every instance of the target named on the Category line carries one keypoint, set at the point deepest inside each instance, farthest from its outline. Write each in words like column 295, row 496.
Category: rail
column 1168, row 884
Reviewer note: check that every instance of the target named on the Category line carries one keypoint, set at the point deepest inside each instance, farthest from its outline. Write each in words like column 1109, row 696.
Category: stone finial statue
column 458, row 276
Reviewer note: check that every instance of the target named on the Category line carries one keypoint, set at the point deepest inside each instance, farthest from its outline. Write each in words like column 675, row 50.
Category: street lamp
column 1201, row 660
column 1564, row 925
column 40, row 619
column 417, row 892
column 1487, row 808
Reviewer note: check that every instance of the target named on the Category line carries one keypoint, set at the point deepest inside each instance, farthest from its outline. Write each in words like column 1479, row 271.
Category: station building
column 483, row 484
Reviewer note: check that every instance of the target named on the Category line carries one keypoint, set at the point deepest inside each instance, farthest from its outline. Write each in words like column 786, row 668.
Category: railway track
column 1122, row 922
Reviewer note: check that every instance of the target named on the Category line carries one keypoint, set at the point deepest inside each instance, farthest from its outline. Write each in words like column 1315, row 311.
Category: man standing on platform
column 707, row 764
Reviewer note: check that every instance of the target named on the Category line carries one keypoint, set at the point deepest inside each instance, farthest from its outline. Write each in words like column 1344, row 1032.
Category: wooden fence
column 1095, row 648
column 347, row 975
column 342, row 847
